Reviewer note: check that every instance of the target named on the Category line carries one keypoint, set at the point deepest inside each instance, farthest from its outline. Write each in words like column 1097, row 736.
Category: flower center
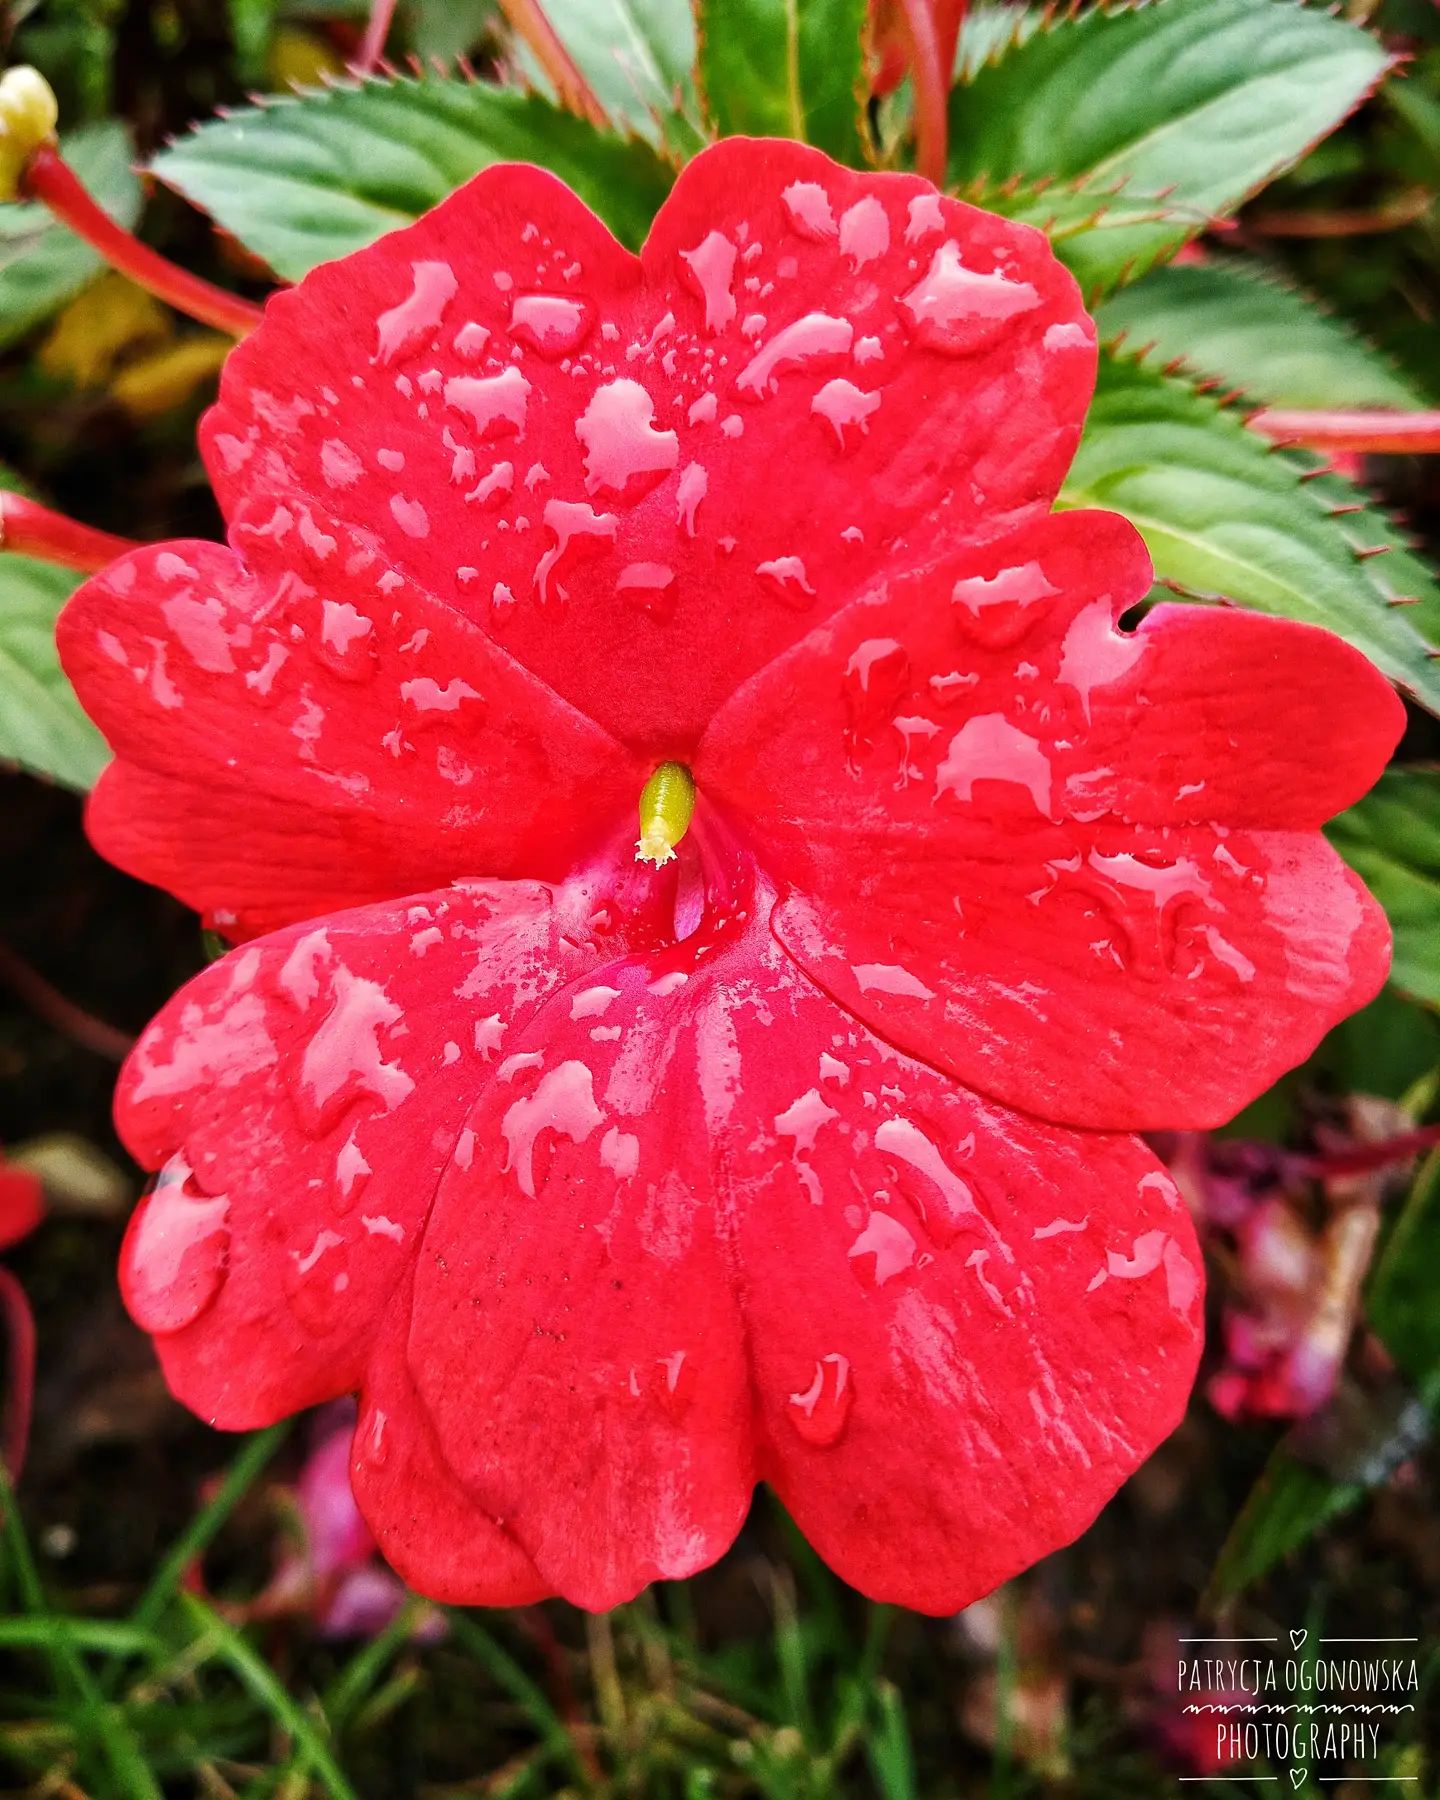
column 667, row 801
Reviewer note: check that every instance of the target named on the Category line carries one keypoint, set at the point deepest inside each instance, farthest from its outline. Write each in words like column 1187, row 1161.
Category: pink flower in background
column 335, row 1575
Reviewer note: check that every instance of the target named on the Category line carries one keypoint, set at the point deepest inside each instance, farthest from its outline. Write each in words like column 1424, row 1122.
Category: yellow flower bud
column 28, row 114
column 667, row 802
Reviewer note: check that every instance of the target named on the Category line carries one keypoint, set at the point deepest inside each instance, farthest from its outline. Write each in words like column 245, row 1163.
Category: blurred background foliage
column 187, row 1614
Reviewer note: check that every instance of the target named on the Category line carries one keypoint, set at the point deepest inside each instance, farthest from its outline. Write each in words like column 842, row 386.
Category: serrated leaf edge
column 1312, row 468
column 1062, row 13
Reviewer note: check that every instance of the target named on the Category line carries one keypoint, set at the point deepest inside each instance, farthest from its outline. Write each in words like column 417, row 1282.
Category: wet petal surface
column 576, row 448
column 300, row 1099
column 1011, row 829
column 300, row 728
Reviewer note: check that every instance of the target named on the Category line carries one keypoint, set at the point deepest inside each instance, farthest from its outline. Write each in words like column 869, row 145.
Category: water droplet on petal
column 943, row 1201
column 651, row 586
column 997, row 609
column 707, row 270
column 553, row 325
column 406, row 326
column 922, row 216
column 317, row 1281
column 787, row 579
column 814, row 338
column 864, row 232
column 807, row 207
column 625, row 456
column 673, row 1383
column 493, row 486
column 877, row 677
column 176, row 1251
column 347, row 640
column 343, row 1060
column 988, row 748
column 410, row 516
column 339, row 464
column 352, row 1171
column 494, row 404
column 883, row 1250
column 819, row 1412
column 689, row 492
column 571, row 522
column 470, row 341
column 1094, row 653
column 371, row 1440
column 563, row 1103
column 430, row 697
column 845, row 407
column 619, row 1150
column 956, row 310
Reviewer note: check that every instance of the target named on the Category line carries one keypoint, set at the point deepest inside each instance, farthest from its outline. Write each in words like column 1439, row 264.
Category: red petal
column 430, row 1530
column 1016, row 831
column 705, row 1201
column 304, row 1095
column 301, row 729
column 22, row 1204
column 966, row 1328
column 576, row 1339
column 502, row 386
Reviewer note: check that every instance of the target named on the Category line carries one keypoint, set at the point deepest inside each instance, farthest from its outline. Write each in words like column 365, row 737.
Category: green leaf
column 220, row 1639
column 302, row 179
column 989, row 32
column 1323, row 1467
column 1391, row 839
column 252, row 25
column 1225, row 514
column 786, row 68
column 1248, row 328
column 446, row 29
column 1165, row 116
column 1390, row 1047
column 1288, row 1504
column 1401, row 1303
column 638, row 57
column 42, row 263
column 42, row 728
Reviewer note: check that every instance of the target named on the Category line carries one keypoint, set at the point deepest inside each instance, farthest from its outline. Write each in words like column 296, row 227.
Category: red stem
column 1361, row 1159
column 527, row 19
column 20, row 1373
column 49, row 1004
column 533, row 1620
column 50, row 179
column 932, row 86
column 1403, row 210
column 949, row 18
column 372, row 45
column 1373, row 433
column 29, row 529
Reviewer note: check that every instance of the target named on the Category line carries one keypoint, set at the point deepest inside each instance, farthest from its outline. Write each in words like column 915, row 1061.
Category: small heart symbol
column 1297, row 1638
column 1297, row 1776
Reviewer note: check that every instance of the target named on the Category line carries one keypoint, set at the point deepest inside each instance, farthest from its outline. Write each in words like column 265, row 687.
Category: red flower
column 615, row 1189
column 22, row 1206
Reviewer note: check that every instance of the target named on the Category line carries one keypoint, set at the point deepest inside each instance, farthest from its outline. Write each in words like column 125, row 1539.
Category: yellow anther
column 28, row 114
column 666, row 803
